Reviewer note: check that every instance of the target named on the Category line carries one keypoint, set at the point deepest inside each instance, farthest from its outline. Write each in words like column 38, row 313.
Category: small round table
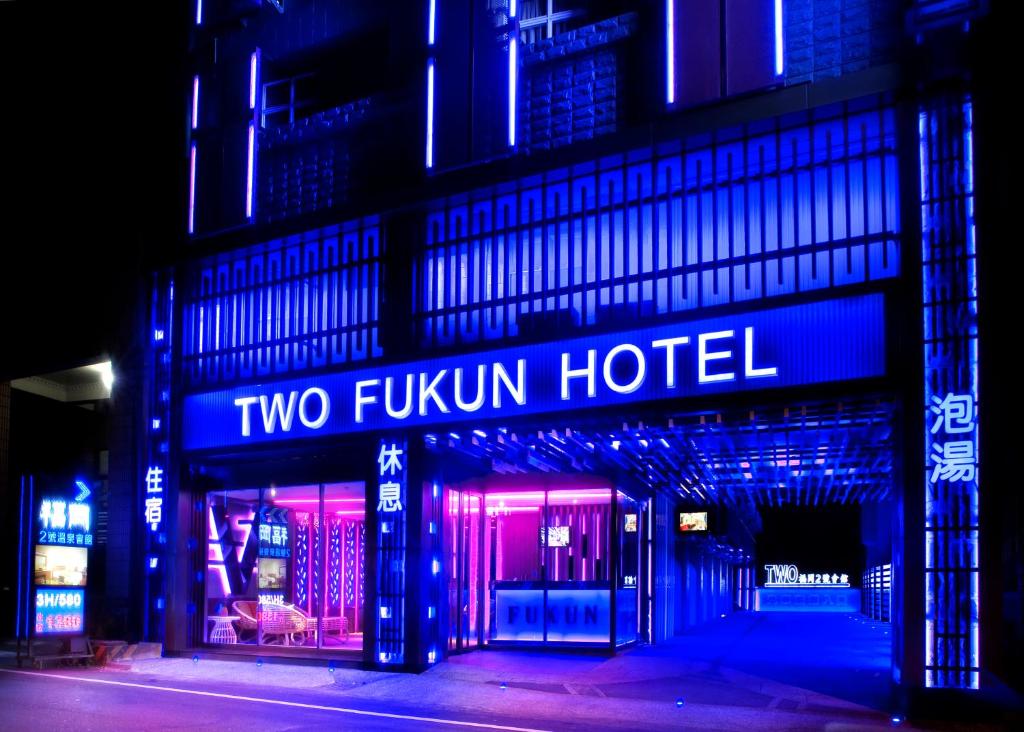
column 223, row 631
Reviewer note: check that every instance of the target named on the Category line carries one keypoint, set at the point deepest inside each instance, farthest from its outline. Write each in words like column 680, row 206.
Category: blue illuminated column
column 951, row 404
column 431, row 28
column 155, row 477
column 255, row 107
column 513, row 40
column 392, row 505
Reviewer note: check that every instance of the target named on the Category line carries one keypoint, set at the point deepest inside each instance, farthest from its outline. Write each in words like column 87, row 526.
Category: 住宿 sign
column 790, row 346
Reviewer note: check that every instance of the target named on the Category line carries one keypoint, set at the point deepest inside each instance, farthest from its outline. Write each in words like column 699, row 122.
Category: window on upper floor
column 288, row 99
column 545, row 18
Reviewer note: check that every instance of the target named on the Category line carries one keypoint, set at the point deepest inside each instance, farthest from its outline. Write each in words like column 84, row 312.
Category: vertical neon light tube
column 430, row 113
column 192, row 189
column 431, row 26
column 21, row 556
column 254, row 70
column 430, row 23
column 513, row 39
column 195, row 101
column 779, row 61
column 28, row 595
column 250, row 166
column 199, row 12
column 248, row 170
column 670, row 52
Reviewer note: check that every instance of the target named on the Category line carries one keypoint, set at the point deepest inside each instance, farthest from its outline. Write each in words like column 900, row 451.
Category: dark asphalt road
column 73, row 701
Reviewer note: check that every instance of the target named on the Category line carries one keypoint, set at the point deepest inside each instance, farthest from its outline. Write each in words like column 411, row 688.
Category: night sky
column 96, row 146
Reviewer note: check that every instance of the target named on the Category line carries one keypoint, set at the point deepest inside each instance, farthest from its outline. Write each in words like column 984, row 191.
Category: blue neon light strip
column 513, row 38
column 21, row 554
column 797, row 345
column 199, row 12
column 195, row 101
column 192, row 189
column 779, row 47
column 250, row 163
column 254, row 70
column 430, row 113
column 430, row 23
column 670, row 52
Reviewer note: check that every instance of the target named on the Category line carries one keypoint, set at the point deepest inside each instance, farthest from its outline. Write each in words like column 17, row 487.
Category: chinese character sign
column 392, row 470
column 274, row 533
column 953, row 455
column 64, row 521
column 391, row 486
column 154, row 503
column 787, row 575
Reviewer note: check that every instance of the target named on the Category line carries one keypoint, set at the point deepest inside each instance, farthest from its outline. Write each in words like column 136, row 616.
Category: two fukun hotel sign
column 813, row 343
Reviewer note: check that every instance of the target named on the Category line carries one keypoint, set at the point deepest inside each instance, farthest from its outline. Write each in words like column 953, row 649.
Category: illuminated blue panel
column 155, row 479
column 306, row 301
column 807, row 599
column 59, row 611
column 573, row 616
column 951, row 401
column 767, row 212
column 798, row 345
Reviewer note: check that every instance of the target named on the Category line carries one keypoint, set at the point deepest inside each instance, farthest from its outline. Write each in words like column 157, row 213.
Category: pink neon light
column 539, row 495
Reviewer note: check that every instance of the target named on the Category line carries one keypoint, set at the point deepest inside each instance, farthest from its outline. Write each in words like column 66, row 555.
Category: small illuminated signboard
column 274, row 539
column 788, row 575
column 59, row 610
column 63, row 535
column 692, row 521
column 630, row 525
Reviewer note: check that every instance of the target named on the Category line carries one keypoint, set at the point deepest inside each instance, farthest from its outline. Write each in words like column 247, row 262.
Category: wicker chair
column 331, row 624
column 246, row 610
column 284, row 624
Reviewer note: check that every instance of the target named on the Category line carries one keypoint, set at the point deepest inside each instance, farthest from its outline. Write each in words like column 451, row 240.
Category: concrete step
column 119, row 654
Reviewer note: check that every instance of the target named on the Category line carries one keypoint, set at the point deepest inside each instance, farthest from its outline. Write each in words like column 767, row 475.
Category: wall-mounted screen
column 554, row 536
column 273, row 574
column 630, row 525
column 60, row 566
column 693, row 521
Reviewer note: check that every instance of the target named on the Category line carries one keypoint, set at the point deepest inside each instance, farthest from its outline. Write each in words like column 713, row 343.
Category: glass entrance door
column 464, row 547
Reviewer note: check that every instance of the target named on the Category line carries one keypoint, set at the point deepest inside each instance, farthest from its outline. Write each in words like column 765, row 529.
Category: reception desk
column 807, row 599
column 575, row 612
